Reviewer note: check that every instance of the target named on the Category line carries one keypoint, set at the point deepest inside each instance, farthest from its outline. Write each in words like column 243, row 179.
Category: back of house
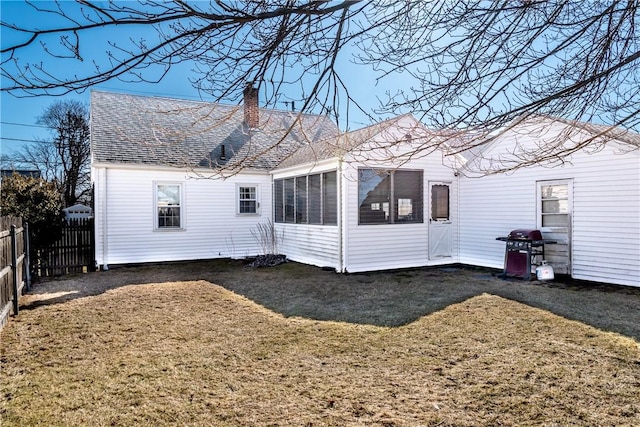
column 181, row 180
column 589, row 202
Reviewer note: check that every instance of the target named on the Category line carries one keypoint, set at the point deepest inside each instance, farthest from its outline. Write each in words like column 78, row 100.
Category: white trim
column 308, row 168
column 214, row 173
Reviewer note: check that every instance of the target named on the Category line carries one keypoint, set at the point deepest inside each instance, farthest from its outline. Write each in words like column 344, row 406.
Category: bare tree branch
column 466, row 64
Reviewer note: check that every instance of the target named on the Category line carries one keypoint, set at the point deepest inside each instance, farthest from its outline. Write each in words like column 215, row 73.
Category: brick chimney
column 251, row 112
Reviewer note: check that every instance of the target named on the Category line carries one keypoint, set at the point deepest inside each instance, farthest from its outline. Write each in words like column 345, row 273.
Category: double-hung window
column 248, row 203
column 390, row 196
column 169, row 206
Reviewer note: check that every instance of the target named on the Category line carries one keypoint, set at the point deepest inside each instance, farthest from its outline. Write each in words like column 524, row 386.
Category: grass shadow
column 388, row 298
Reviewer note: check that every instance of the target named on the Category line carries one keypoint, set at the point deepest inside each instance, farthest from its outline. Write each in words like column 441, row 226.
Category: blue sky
column 19, row 115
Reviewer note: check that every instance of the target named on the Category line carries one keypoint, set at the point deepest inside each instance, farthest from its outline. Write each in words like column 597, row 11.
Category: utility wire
column 24, row 124
column 18, row 139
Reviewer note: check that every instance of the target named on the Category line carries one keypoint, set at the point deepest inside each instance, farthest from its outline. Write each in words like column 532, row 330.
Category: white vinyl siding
column 213, row 228
column 605, row 220
column 389, row 246
column 311, row 244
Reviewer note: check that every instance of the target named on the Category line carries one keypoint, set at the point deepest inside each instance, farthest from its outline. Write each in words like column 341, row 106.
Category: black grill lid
column 524, row 234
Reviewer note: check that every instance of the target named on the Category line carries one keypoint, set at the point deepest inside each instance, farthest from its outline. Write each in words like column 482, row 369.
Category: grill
column 524, row 249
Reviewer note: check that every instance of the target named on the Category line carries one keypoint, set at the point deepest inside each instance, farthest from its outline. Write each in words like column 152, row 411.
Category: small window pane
column 560, row 191
column 555, row 220
column 374, row 191
column 315, row 200
column 407, row 190
column 555, row 206
column 440, row 202
column 278, row 200
column 168, row 195
column 330, row 198
column 289, row 200
column 301, row 200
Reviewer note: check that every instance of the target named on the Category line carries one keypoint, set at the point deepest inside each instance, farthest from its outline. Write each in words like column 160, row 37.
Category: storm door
column 440, row 224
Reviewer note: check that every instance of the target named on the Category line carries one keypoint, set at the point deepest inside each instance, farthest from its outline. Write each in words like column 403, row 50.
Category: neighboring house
column 78, row 211
column 24, row 172
column 153, row 164
column 384, row 197
column 365, row 201
column 589, row 202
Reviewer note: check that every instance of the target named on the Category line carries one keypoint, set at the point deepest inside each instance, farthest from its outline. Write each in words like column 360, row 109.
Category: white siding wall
column 310, row 244
column 605, row 223
column 212, row 229
column 390, row 246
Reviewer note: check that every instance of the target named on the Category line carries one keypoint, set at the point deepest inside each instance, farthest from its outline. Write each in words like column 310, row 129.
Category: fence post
column 14, row 268
column 27, row 257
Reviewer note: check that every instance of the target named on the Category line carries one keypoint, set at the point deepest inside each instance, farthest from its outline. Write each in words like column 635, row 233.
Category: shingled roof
column 132, row 129
column 349, row 141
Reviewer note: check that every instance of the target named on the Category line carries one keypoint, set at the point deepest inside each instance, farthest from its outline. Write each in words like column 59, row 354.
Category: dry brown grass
column 195, row 353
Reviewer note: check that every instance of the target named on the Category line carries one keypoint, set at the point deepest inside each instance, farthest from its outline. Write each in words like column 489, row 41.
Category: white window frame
column 239, row 186
column 539, row 214
column 156, row 207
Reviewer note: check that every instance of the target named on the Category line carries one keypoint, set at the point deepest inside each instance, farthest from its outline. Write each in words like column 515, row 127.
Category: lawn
column 139, row 347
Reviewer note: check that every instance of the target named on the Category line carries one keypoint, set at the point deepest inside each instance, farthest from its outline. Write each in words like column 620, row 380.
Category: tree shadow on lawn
column 388, row 298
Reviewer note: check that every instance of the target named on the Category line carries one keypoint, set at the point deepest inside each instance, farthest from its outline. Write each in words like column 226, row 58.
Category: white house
column 365, row 201
column 153, row 164
column 384, row 197
column 589, row 202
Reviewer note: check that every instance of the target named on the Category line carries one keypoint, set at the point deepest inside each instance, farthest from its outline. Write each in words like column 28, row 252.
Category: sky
column 19, row 115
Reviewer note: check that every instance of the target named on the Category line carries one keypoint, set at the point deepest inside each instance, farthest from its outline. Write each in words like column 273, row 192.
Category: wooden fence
column 14, row 265
column 73, row 252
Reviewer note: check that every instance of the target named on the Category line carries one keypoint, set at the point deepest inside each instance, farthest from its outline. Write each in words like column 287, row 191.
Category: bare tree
column 469, row 64
column 65, row 157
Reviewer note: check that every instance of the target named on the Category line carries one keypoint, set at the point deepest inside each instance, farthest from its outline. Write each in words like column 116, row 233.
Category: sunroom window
column 390, row 196
column 307, row 199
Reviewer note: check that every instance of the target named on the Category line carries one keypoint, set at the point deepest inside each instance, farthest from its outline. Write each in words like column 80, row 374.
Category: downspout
column 458, row 199
column 105, row 265
column 341, row 240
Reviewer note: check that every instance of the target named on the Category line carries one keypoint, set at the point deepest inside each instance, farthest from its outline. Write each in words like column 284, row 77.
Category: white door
column 554, row 208
column 440, row 227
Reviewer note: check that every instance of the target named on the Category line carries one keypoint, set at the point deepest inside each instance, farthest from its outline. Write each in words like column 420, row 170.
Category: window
column 440, row 202
column 390, row 197
column 248, row 200
column 554, row 198
column 301, row 200
column 329, row 198
column 169, row 206
column 289, row 200
column 278, row 200
column 308, row 199
column 315, row 198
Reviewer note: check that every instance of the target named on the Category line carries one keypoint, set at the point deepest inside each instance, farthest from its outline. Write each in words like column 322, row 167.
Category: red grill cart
column 524, row 249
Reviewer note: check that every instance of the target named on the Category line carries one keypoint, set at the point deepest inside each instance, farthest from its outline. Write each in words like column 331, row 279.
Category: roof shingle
column 132, row 129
